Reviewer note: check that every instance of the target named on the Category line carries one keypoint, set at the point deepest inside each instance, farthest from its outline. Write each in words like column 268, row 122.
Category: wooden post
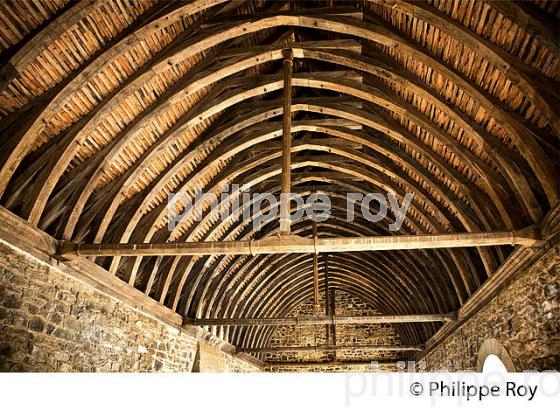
column 332, row 312
column 286, row 144
column 316, row 304
column 327, row 301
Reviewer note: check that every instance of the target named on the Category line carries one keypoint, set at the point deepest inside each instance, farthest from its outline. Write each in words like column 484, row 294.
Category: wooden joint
column 529, row 236
column 67, row 250
column 288, row 55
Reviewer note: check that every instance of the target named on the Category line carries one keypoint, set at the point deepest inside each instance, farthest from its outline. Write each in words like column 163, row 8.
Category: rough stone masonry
column 524, row 318
column 51, row 322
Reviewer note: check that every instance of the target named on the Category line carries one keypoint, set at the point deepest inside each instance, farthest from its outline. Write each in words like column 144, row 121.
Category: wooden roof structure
column 108, row 106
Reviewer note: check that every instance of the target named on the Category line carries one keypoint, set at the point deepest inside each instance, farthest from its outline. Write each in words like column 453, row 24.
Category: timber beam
column 327, row 348
column 316, row 305
column 294, row 244
column 373, row 365
column 321, row 320
column 286, row 144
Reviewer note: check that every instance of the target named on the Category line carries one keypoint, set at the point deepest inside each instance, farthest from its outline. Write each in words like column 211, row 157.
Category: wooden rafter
column 331, row 24
column 102, row 122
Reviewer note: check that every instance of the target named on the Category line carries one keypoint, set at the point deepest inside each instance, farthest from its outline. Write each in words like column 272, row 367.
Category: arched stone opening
column 489, row 349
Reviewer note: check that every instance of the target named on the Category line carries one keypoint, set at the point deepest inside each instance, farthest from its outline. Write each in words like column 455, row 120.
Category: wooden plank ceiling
column 108, row 106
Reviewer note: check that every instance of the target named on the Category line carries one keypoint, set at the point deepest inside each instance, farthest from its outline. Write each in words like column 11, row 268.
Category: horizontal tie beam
column 378, row 348
column 371, row 365
column 321, row 320
column 295, row 244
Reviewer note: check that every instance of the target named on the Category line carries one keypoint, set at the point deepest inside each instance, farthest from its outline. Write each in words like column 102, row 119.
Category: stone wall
column 524, row 318
column 50, row 321
column 315, row 335
column 74, row 316
column 211, row 359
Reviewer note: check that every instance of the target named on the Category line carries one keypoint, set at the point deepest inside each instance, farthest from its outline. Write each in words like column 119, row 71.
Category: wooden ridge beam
column 294, row 244
column 342, row 11
column 321, row 320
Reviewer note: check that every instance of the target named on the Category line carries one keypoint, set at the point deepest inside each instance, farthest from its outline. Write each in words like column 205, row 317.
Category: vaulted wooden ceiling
column 109, row 106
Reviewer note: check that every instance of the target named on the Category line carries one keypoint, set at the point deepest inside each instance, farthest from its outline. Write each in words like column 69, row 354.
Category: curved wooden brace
column 33, row 48
column 15, row 153
column 490, row 270
column 182, row 279
column 299, row 287
column 250, row 183
column 275, row 232
column 361, row 93
column 266, row 273
column 385, row 184
column 346, row 233
column 313, row 21
column 217, row 271
column 328, row 163
column 468, row 222
column 356, row 115
column 525, row 18
column 301, row 293
column 280, row 282
column 205, row 79
column 232, row 235
column 338, row 228
column 531, row 82
column 253, row 278
column 195, row 233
